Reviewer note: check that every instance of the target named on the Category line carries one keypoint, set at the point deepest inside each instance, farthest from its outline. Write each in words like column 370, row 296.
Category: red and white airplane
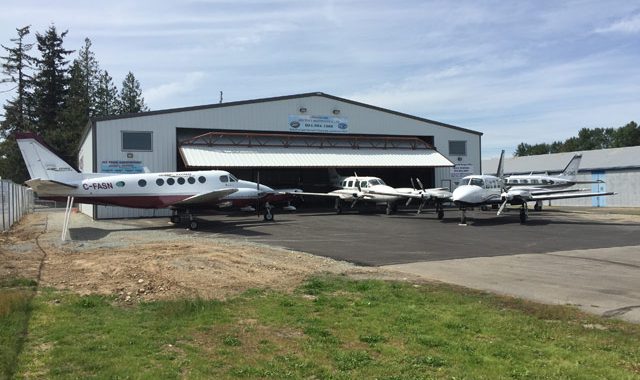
column 183, row 192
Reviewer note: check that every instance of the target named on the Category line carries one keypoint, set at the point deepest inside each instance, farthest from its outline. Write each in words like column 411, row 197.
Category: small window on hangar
column 457, row 148
column 137, row 141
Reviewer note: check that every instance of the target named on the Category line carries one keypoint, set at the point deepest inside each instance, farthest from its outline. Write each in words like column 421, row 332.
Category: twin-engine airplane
column 356, row 189
column 481, row 190
column 537, row 183
column 183, row 192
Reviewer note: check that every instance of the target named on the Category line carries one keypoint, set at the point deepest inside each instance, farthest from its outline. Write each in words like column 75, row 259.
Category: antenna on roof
column 220, row 97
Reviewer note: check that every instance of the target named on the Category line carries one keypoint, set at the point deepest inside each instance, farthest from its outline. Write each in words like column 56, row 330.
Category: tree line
column 56, row 97
column 587, row 139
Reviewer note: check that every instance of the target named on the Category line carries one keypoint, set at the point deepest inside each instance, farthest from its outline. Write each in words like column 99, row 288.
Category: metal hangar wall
column 369, row 139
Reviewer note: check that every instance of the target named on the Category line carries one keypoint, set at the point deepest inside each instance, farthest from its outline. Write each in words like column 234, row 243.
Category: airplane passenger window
column 142, row 183
column 350, row 184
column 191, row 180
column 181, row 181
column 120, row 184
column 476, row 182
column 170, row 181
column 534, row 181
column 525, row 181
column 224, row 179
column 202, row 179
column 159, row 181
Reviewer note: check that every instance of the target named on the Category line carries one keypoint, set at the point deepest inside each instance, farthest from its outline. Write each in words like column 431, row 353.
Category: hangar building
column 287, row 141
column 619, row 168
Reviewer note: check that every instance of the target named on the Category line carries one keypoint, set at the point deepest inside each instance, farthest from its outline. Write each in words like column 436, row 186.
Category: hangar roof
column 279, row 98
column 233, row 150
column 615, row 158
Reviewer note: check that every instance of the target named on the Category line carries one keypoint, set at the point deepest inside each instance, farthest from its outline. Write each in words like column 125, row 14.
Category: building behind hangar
column 287, row 141
column 618, row 168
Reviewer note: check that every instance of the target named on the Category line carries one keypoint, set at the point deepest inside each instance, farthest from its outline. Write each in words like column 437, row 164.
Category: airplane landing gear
column 268, row 215
column 439, row 211
column 538, row 206
column 524, row 213
column 463, row 217
column 338, row 206
column 184, row 216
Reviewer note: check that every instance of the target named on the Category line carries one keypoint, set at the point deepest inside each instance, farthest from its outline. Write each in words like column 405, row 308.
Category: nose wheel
column 524, row 213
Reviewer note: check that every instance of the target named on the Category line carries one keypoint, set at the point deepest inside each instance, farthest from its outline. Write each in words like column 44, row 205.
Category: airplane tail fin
column 41, row 162
column 500, row 172
column 571, row 171
column 334, row 177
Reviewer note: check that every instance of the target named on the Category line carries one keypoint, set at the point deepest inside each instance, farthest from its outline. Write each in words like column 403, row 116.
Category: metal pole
column 2, row 202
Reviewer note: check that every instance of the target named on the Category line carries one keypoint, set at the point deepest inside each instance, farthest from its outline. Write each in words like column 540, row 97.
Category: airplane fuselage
column 158, row 190
column 478, row 190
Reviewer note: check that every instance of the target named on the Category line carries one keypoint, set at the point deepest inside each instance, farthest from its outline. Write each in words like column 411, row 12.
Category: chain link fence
column 15, row 201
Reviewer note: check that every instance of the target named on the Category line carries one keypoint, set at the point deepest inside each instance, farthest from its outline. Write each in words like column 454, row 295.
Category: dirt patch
column 157, row 265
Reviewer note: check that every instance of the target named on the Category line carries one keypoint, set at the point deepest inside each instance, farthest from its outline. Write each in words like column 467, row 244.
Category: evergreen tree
column 106, row 97
column 16, row 66
column 51, row 84
column 90, row 72
column 131, row 100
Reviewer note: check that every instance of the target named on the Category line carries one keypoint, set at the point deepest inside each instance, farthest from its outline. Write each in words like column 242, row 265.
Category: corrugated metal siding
column 624, row 182
column 269, row 116
column 228, row 157
column 615, row 158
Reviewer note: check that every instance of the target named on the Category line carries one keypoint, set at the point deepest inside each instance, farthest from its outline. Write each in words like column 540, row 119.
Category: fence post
column 2, row 202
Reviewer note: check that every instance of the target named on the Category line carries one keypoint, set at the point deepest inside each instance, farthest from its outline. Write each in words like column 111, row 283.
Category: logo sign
column 318, row 124
column 461, row 170
column 121, row 167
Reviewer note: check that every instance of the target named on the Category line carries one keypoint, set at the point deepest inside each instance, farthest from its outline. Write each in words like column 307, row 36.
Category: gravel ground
column 155, row 262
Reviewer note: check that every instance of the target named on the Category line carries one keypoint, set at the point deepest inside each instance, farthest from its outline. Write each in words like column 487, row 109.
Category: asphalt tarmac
column 375, row 239
column 590, row 261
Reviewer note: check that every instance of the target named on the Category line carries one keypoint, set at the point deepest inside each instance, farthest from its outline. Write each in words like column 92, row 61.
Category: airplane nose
column 465, row 194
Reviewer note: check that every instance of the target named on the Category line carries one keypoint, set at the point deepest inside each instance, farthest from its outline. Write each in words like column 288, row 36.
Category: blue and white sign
column 121, row 167
column 461, row 170
column 318, row 124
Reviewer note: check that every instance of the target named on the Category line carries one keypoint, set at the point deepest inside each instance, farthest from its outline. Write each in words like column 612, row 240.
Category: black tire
column 440, row 214
column 268, row 217
column 537, row 207
column 523, row 217
column 193, row 225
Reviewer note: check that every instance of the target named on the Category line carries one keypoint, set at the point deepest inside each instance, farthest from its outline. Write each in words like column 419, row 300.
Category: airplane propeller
column 506, row 199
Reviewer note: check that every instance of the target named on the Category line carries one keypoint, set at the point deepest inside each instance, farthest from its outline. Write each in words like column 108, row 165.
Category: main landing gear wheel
column 268, row 216
column 193, row 225
column 441, row 214
column 338, row 206
column 538, row 206
column 523, row 215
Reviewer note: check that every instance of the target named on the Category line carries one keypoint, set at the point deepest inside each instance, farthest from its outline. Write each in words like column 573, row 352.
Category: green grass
column 332, row 328
column 15, row 310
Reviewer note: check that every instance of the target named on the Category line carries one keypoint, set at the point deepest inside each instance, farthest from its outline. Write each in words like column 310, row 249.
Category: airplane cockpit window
column 224, row 179
column 476, row 182
column 364, row 184
column 551, row 182
column 202, row 179
column 232, row 178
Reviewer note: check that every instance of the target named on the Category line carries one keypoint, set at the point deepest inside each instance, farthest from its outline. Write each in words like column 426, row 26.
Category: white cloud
column 628, row 25
column 164, row 92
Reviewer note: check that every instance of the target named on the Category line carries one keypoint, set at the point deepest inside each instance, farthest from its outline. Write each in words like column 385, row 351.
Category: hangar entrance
column 302, row 160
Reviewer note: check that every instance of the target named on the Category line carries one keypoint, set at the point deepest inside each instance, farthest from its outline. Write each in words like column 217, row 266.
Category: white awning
column 202, row 156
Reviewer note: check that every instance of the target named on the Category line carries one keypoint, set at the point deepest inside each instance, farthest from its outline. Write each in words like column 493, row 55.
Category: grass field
column 331, row 327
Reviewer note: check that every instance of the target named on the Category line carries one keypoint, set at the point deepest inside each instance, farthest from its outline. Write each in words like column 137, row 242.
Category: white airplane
column 536, row 183
column 183, row 192
column 356, row 189
column 482, row 190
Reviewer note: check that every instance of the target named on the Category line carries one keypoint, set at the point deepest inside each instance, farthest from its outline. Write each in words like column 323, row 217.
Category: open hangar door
column 302, row 160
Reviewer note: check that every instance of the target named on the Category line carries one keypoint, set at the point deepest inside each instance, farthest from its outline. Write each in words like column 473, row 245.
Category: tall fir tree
column 51, row 86
column 106, row 97
column 131, row 100
column 16, row 66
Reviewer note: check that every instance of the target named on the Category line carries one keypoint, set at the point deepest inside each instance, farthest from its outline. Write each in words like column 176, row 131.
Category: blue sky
column 518, row 71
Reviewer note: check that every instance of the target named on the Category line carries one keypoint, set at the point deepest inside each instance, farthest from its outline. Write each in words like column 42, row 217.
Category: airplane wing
column 44, row 186
column 205, row 198
column 334, row 195
column 546, row 197
column 436, row 193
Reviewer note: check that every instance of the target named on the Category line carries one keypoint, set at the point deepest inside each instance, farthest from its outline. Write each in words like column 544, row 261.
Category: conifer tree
column 131, row 100
column 106, row 97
